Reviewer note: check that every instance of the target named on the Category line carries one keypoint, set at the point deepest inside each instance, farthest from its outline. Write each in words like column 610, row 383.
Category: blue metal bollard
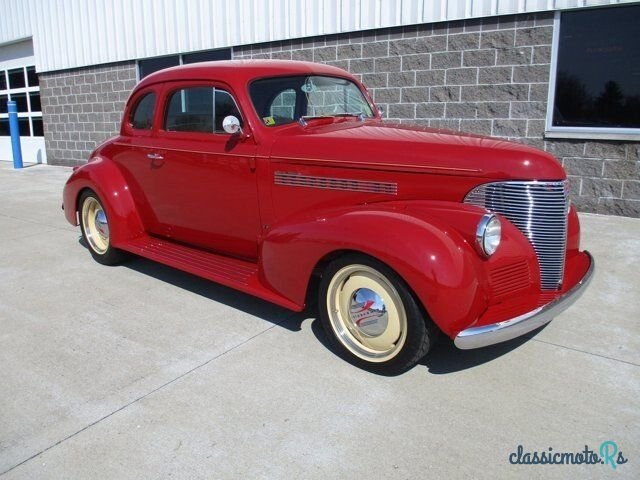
column 14, row 128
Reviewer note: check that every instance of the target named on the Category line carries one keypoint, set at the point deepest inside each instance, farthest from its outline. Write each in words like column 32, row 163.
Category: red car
column 260, row 175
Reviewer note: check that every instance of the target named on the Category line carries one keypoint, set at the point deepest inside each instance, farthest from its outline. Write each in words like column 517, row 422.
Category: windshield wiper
column 303, row 119
column 360, row 115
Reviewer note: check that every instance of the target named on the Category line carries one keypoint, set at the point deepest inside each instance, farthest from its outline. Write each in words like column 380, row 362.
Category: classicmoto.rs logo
column 608, row 454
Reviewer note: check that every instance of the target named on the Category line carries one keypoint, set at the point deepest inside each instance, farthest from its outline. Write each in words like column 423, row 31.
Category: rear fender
column 432, row 257
column 103, row 177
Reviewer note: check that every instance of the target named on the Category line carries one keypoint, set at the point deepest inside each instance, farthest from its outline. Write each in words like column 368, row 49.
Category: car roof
column 239, row 71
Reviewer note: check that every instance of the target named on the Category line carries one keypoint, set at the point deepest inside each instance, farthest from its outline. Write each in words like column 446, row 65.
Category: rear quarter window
column 142, row 114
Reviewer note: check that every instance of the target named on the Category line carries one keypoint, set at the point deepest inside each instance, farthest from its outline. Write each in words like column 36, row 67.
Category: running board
column 231, row 272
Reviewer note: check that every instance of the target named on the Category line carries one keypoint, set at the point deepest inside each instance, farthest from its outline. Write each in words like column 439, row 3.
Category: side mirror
column 231, row 125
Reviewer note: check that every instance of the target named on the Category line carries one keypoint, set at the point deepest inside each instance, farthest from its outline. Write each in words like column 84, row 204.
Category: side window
column 142, row 116
column 190, row 110
column 283, row 107
column 193, row 109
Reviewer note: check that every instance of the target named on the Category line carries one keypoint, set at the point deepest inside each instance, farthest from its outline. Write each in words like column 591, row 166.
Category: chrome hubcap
column 366, row 313
column 102, row 226
column 96, row 227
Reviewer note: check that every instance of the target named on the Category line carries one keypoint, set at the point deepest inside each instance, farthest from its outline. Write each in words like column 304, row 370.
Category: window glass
column 598, row 70
column 225, row 106
column 147, row 67
column 34, row 100
column 190, row 110
column 16, row 78
column 208, row 56
column 142, row 117
column 32, row 77
column 14, row 83
column 314, row 96
column 283, row 107
column 38, row 131
column 193, row 110
column 23, row 126
column 21, row 101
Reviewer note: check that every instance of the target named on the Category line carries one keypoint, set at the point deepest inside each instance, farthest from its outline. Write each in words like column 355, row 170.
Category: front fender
column 103, row 177
column 432, row 256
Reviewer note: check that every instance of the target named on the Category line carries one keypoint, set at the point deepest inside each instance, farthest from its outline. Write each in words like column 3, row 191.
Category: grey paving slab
column 280, row 407
column 606, row 321
column 141, row 371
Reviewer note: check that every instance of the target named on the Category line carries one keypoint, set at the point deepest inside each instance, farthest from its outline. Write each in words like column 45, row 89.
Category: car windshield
column 283, row 100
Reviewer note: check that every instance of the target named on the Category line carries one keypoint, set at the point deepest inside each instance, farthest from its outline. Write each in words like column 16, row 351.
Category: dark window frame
column 218, row 54
column 578, row 132
column 167, row 61
column 183, row 59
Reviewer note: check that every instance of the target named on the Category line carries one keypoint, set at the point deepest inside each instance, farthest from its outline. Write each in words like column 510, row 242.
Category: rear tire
column 95, row 230
column 371, row 317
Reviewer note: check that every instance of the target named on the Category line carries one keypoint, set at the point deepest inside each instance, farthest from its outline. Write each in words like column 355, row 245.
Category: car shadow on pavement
column 442, row 359
column 447, row 358
column 219, row 293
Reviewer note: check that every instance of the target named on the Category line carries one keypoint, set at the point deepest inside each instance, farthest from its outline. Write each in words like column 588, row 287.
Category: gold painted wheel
column 95, row 225
column 366, row 313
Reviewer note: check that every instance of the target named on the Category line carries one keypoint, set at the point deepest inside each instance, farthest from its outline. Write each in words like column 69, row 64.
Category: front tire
column 371, row 317
column 95, row 230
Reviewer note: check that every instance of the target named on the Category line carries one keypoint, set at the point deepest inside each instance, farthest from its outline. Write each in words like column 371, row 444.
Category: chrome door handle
column 155, row 156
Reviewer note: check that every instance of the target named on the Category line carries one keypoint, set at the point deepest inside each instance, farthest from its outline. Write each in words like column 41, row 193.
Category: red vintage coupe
column 260, row 175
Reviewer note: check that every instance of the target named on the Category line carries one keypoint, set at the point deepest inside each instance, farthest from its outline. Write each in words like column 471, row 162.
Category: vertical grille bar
column 539, row 211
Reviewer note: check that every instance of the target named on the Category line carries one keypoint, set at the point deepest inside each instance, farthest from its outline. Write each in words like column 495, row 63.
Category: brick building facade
column 489, row 76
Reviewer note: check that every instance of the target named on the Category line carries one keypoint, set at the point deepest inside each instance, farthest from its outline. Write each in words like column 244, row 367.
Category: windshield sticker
column 269, row 121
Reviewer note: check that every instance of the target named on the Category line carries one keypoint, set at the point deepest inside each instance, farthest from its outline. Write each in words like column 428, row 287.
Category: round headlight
column 488, row 234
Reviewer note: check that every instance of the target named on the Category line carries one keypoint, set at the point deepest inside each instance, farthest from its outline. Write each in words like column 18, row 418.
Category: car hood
column 382, row 145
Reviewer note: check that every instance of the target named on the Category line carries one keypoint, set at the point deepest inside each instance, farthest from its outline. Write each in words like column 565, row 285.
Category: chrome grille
column 539, row 211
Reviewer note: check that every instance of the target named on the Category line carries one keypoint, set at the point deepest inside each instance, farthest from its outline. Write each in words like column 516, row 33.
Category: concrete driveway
column 140, row 371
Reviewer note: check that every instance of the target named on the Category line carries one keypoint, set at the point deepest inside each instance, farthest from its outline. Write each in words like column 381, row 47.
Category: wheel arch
column 430, row 256
column 103, row 177
column 324, row 262
column 79, row 195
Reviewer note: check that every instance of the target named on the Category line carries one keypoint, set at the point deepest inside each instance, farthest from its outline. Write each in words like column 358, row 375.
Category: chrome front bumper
column 476, row 337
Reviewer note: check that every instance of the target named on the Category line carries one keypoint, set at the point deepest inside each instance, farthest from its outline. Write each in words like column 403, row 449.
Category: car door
column 135, row 144
column 201, row 182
